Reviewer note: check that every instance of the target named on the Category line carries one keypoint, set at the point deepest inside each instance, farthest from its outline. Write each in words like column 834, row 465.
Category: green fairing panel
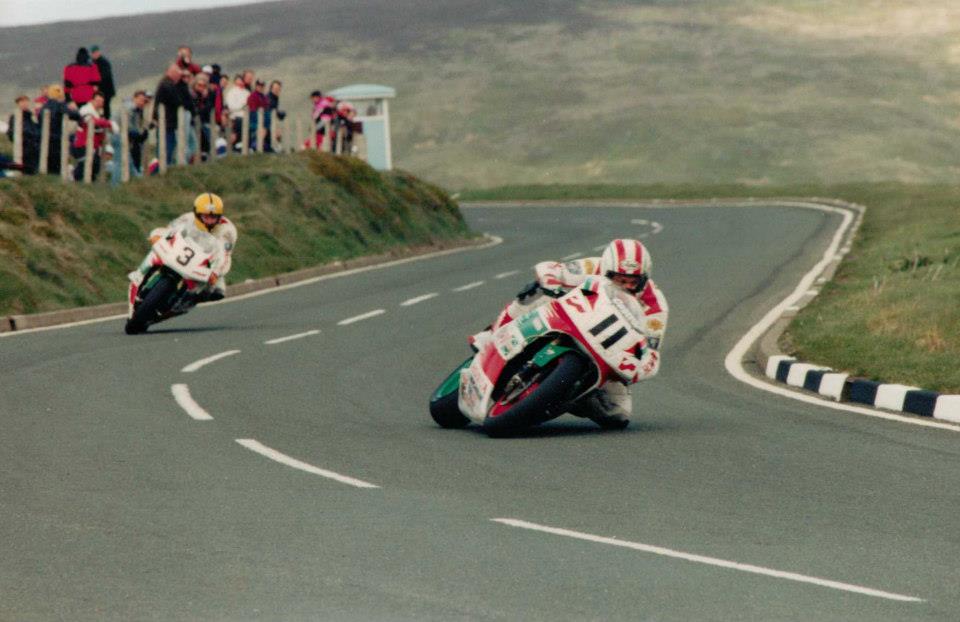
column 452, row 383
column 549, row 353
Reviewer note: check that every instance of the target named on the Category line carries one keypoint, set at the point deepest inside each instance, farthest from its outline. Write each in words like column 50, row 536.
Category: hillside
column 63, row 246
column 546, row 91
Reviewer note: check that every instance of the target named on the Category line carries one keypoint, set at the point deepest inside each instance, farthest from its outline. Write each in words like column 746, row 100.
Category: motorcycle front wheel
column 151, row 305
column 529, row 399
column 444, row 406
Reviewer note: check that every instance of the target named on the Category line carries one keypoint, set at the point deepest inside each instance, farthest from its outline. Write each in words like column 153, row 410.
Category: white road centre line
column 600, row 248
column 271, row 342
column 362, row 316
column 571, row 256
column 711, row 561
column 276, row 456
column 639, row 221
column 181, row 393
column 504, row 275
column 192, row 367
column 464, row 288
column 413, row 301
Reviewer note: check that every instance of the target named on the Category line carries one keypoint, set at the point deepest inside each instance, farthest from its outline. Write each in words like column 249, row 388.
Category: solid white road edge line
column 464, row 288
column 362, row 316
column 181, row 393
column 271, row 342
column 494, row 241
column 504, row 275
column 276, row 456
column 571, row 256
column 711, row 561
column 413, row 301
column 192, row 367
column 734, row 360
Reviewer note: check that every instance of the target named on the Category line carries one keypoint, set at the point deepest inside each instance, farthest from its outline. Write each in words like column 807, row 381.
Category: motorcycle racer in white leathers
column 627, row 264
column 207, row 216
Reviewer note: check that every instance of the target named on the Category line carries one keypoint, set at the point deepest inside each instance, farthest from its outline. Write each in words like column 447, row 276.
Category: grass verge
column 67, row 245
column 891, row 313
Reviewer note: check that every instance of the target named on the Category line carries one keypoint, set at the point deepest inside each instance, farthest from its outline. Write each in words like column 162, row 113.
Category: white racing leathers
column 225, row 231
column 611, row 405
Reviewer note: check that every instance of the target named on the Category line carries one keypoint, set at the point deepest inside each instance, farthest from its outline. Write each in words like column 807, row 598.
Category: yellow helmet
column 207, row 203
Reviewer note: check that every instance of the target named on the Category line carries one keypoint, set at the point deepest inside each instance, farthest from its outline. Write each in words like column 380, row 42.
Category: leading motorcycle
column 182, row 262
column 535, row 367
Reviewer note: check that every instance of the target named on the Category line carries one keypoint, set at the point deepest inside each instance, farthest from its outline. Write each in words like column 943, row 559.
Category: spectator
column 31, row 134
column 57, row 109
column 322, row 115
column 169, row 96
column 236, row 101
column 345, row 123
column 257, row 101
column 185, row 60
column 248, row 79
column 214, row 74
column 40, row 100
column 204, row 100
column 138, row 131
column 91, row 110
column 274, row 96
column 185, row 89
column 81, row 79
column 106, row 78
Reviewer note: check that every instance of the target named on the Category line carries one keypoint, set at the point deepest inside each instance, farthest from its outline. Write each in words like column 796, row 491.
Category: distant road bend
column 273, row 458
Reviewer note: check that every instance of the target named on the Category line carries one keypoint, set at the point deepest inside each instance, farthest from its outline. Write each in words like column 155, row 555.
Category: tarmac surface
column 719, row 502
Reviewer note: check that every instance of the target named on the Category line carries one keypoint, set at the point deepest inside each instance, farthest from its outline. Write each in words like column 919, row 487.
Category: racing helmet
column 628, row 259
column 207, row 203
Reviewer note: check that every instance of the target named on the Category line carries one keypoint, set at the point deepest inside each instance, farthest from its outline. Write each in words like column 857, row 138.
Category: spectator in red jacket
column 185, row 60
column 257, row 101
column 81, row 79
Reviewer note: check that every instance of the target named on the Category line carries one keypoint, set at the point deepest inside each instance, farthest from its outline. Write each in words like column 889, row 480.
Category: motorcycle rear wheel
column 148, row 309
column 542, row 397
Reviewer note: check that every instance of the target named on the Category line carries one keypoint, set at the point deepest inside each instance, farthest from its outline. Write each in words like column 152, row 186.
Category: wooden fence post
column 245, row 132
column 162, row 137
column 88, row 153
column 64, row 149
column 44, row 141
column 18, row 136
column 341, row 134
column 327, row 139
column 197, row 128
column 261, row 130
column 124, row 147
column 214, row 139
column 181, row 137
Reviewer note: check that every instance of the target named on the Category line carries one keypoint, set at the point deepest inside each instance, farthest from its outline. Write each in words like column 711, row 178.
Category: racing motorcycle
column 183, row 260
column 535, row 367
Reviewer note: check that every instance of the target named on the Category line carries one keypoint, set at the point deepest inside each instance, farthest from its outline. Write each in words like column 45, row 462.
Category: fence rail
column 192, row 142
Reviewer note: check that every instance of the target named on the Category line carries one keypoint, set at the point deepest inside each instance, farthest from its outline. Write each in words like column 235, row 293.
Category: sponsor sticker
column 655, row 325
column 573, row 267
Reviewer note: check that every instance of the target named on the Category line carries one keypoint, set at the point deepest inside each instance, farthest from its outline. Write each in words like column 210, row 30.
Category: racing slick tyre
column 151, row 305
column 443, row 403
column 529, row 401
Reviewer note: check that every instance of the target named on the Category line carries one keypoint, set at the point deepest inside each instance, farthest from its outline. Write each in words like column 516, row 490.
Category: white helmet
column 627, row 258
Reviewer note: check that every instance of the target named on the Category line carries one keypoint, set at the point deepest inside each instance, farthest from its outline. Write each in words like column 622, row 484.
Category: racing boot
column 609, row 406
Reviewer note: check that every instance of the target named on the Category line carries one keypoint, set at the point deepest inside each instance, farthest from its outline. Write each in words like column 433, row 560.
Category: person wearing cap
column 257, row 101
column 57, row 108
column 30, row 134
column 107, row 86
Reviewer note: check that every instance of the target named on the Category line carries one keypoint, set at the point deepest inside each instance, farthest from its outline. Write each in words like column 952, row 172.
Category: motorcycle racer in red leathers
column 627, row 264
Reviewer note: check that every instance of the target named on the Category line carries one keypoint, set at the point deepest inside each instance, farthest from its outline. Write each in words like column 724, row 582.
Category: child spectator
column 322, row 114
column 236, row 101
column 91, row 110
column 81, row 79
column 106, row 78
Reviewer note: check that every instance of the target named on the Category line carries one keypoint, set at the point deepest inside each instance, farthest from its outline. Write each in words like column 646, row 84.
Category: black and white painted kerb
column 841, row 387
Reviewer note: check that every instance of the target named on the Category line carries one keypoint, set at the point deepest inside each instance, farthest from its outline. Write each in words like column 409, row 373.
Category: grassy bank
column 892, row 312
column 67, row 245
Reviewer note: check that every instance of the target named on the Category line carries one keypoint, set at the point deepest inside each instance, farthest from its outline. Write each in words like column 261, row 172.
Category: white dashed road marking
column 571, row 256
column 276, row 456
column 363, row 316
column 413, row 301
column 181, row 393
column 192, row 367
column 271, row 342
column 711, row 561
column 464, row 288
column 504, row 275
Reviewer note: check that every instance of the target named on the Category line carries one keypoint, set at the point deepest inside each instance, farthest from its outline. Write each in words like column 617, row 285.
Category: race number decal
column 188, row 254
column 603, row 325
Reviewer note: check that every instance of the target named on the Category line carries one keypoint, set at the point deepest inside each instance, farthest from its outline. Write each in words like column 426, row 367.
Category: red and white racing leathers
column 612, row 404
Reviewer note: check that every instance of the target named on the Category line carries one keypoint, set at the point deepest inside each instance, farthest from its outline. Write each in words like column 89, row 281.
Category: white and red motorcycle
column 538, row 365
column 182, row 262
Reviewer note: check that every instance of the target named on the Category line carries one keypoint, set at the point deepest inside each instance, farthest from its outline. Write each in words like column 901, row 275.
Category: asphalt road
column 115, row 504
